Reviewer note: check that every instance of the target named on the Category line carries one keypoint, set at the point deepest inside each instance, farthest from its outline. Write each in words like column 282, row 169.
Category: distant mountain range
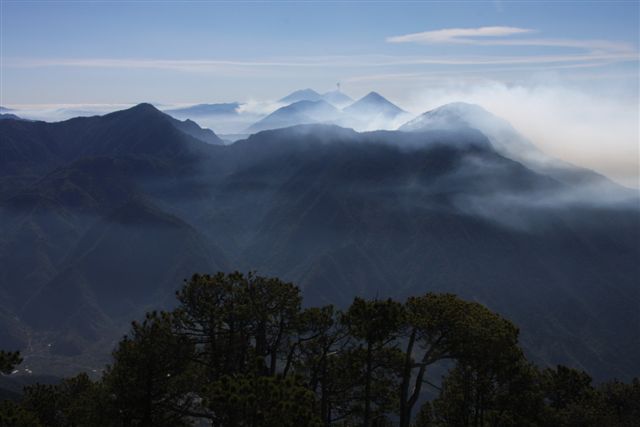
column 374, row 104
column 4, row 116
column 336, row 98
column 236, row 120
column 372, row 111
column 300, row 112
column 7, row 113
column 101, row 218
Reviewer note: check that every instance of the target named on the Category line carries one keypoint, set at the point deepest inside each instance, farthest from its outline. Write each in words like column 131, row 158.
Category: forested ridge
column 101, row 217
column 242, row 350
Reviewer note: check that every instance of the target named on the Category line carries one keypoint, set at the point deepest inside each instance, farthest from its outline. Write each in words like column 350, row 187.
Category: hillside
column 102, row 217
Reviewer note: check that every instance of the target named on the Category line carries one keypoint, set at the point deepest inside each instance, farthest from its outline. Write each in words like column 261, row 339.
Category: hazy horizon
column 305, row 213
column 564, row 74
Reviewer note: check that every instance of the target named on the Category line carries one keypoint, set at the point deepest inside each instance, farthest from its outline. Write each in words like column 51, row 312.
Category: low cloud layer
column 592, row 129
column 593, row 125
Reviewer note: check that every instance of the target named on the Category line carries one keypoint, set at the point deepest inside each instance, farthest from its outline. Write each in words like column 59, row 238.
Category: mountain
column 301, row 95
column 374, row 104
column 140, row 130
column 101, row 218
column 337, row 98
column 8, row 116
column 301, row 112
column 5, row 110
column 345, row 214
column 373, row 111
column 226, row 118
column 386, row 213
column 152, row 251
column 75, row 195
column 198, row 110
column 509, row 142
column 460, row 114
column 191, row 128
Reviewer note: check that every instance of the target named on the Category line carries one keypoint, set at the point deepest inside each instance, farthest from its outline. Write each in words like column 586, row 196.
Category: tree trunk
column 367, row 388
column 147, row 420
column 405, row 409
column 418, row 386
column 324, row 407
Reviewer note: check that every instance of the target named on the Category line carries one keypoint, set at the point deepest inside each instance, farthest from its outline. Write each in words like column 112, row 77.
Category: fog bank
column 592, row 129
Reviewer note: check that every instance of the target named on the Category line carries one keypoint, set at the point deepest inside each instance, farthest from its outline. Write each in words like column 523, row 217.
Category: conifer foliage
column 241, row 351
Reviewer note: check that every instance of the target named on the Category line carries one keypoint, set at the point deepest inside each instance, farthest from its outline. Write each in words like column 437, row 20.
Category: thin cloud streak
column 457, row 35
column 446, row 75
column 363, row 61
column 478, row 37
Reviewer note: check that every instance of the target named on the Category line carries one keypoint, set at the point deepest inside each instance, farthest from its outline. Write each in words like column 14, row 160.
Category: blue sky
column 109, row 52
column 564, row 73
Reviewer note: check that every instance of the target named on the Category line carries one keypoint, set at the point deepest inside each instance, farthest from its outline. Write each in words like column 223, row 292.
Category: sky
column 564, row 73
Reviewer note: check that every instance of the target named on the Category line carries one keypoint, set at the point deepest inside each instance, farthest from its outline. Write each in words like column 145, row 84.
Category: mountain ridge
column 374, row 103
column 105, row 233
column 334, row 97
column 508, row 141
column 297, row 113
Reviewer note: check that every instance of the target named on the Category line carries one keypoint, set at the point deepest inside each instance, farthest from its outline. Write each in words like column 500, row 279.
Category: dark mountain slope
column 392, row 214
column 339, row 212
column 38, row 147
column 71, row 202
column 42, row 222
column 9, row 116
column 191, row 128
column 140, row 130
column 133, row 258
column 512, row 144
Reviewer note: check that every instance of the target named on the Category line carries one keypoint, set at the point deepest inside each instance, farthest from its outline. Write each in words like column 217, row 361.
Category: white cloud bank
column 589, row 129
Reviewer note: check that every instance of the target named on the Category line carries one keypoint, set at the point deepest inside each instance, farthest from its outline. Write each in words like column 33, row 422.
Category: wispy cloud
column 480, row 74
column 457, row 35
column 170, row 64
column 358, row 61
column 502, row 36
column 589, row 52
